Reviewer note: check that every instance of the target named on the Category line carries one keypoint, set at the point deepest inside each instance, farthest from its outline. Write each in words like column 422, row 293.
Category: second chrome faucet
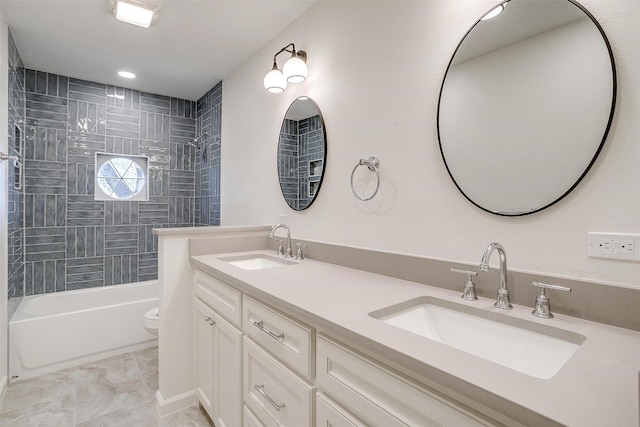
column 502, row 300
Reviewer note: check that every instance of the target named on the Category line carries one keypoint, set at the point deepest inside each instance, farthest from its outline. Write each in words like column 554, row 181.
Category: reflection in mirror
column 526, row 105
column 301, row 153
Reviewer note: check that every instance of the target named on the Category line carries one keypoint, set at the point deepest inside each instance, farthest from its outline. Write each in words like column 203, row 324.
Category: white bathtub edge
column 69, row 337
column 166, row 407
column 72, row 363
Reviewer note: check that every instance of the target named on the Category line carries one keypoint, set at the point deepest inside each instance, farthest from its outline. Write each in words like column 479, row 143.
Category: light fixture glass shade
column 295, row 70
column 274, row 81
column 133, row 13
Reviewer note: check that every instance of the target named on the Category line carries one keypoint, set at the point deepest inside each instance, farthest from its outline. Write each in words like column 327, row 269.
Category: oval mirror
column 302, row 149
column 526, row 105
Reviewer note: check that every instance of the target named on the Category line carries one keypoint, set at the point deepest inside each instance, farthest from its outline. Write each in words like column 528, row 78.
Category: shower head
column 196, row 141
column 17, row 160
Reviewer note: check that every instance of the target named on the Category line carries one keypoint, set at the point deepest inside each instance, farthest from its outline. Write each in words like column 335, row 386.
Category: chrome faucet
column 502, row 300
column 287, row 254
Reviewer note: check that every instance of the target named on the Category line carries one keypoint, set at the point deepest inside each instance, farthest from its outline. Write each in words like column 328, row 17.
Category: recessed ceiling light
column 126, row 74
column 493, row 12
column 135, row 12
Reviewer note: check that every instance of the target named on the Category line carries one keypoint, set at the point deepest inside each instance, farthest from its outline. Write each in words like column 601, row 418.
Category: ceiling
column 193, row 45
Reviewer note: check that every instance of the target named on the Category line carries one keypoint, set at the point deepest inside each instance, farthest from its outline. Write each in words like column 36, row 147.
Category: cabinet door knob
column 209, row 320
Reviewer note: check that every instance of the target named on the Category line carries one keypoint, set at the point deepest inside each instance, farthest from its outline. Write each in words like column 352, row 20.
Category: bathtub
column 65, row 329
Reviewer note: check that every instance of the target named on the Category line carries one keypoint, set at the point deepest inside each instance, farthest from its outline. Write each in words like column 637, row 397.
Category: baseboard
column 3, row 388
column 165, row 407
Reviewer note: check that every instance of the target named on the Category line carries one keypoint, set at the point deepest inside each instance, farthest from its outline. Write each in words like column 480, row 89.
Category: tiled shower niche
column 73, row 241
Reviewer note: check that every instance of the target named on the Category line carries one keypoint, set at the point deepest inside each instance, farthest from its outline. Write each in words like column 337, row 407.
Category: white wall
column 4, row 124
column 375, row 71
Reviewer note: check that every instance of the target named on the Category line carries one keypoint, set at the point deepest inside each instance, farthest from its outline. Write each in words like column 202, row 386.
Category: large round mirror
column 526, row 104
column 302, row 152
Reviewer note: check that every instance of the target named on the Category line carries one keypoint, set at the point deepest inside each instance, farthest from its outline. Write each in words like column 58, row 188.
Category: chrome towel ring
column 372, row 164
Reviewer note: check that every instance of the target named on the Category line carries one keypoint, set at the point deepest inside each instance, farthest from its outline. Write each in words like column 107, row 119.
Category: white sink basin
column 256, row 261
column 527, row 347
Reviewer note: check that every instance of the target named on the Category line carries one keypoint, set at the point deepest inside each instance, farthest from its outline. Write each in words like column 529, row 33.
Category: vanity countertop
column 599, row 385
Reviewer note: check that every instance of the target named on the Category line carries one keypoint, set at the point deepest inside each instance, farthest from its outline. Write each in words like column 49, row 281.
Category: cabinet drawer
column 222, row 298
column 381, row 398
column 277, row 396
column 285, row 338
column 329, row 414
column 250, row 420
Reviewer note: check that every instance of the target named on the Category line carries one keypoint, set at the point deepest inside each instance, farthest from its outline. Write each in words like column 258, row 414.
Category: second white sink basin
column 256, row 261
column 528, row 347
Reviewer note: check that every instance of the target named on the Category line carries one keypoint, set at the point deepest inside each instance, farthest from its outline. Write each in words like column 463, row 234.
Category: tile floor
column 115, row 392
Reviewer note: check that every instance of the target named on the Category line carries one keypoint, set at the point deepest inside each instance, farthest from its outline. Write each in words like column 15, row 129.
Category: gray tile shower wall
column 207, row 158
column 71, row 240
column 300, row 154
column 15, row 254
column 311, row 153
column 288, row 162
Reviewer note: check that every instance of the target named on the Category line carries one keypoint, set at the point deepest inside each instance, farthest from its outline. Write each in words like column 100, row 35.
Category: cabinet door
column 204, row 355
column 227, row 374
column 329, row 414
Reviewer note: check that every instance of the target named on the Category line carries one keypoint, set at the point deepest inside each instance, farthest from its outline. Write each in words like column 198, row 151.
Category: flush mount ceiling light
column 135, row 12
column 493, row 12
column 294, row 70
column 126, row 74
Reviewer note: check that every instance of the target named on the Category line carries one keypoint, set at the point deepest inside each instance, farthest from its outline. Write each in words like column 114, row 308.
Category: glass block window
column 121, row 177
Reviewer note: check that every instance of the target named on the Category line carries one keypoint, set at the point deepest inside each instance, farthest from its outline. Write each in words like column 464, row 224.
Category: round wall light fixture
column 294, row 71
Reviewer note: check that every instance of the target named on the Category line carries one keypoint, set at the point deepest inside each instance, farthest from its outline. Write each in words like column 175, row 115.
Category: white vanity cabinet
column 378, row 396
column 259, row 367
column 218, row 353
column 330, row 414
column 277, row 349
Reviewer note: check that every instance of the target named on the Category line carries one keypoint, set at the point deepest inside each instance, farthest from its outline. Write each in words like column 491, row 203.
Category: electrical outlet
column 621, row 246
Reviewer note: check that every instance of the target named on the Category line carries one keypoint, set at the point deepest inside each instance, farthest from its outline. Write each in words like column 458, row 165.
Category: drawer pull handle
column 260, row 326
column 260, row 388
column 209, row 320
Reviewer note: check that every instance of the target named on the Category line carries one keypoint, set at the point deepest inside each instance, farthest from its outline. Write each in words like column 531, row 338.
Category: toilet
column 151, row 321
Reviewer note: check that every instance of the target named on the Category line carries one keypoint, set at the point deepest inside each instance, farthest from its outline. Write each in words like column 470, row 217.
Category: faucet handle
column 543, row 307
column 299, row 254
column 469, row 292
